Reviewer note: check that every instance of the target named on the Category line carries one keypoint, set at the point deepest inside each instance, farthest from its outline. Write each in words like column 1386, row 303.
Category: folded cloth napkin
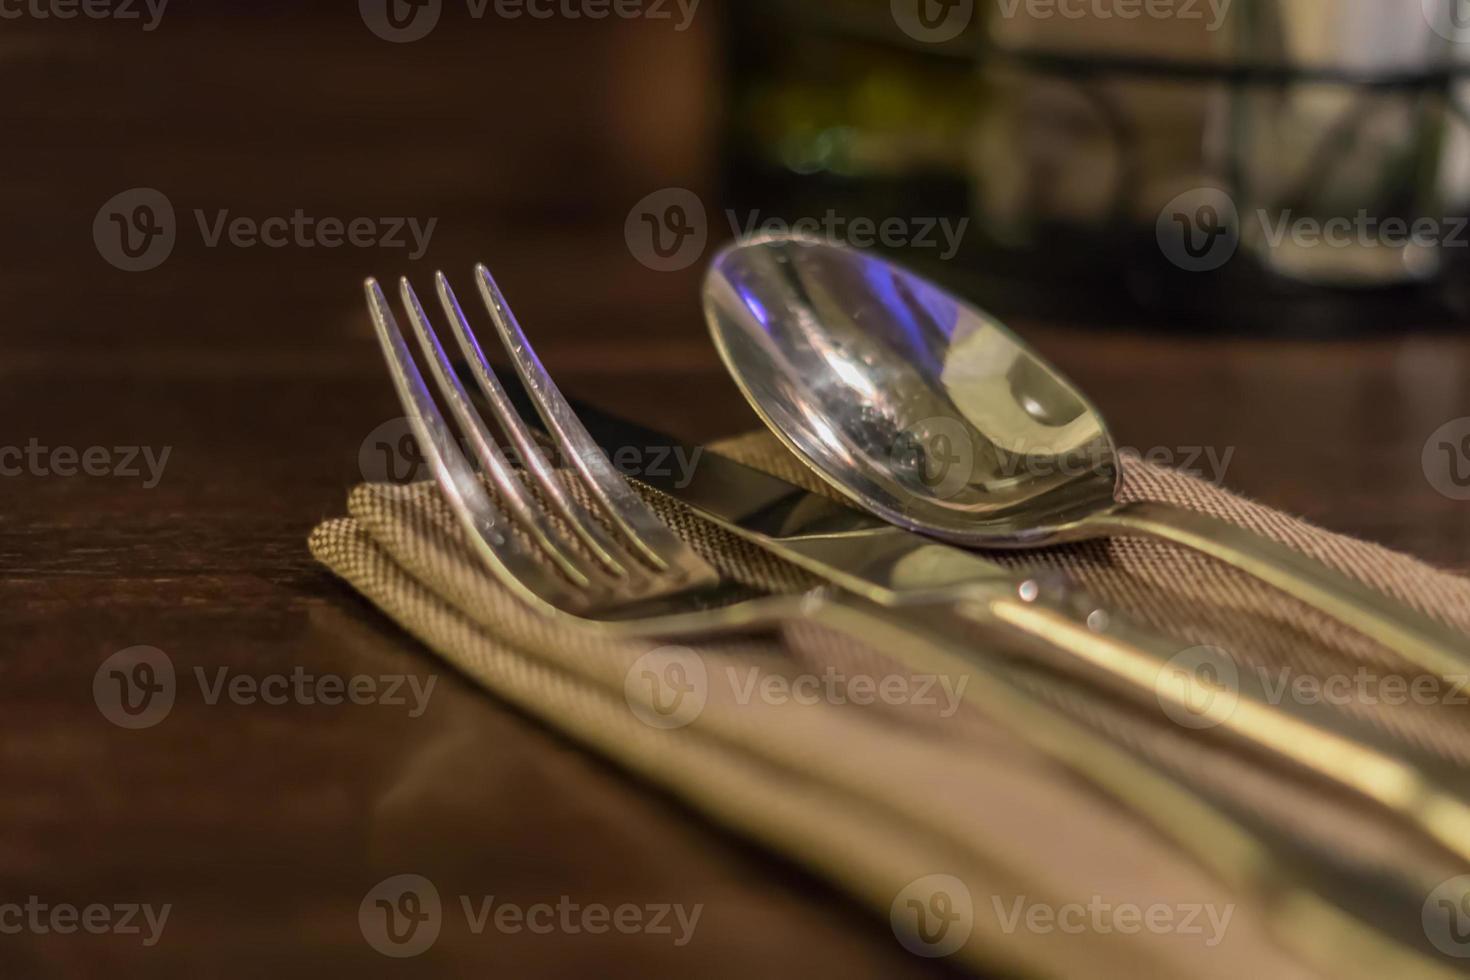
column 968, row 842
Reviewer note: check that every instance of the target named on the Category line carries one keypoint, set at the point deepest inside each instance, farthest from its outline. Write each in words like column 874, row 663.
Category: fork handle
column 1422, row 641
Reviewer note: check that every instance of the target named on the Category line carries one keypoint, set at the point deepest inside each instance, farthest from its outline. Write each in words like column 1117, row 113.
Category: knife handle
column 1302, row 906
column 1203, row 689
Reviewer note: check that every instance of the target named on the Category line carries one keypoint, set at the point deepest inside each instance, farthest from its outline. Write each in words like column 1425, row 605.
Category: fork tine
column 638, row 525
column 483, row 444
column 612, row 557
column 487, row 529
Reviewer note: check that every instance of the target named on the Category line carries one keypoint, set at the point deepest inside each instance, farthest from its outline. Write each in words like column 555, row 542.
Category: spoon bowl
column 917, row 406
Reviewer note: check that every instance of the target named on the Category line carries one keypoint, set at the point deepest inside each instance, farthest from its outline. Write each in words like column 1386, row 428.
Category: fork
column 618, row 570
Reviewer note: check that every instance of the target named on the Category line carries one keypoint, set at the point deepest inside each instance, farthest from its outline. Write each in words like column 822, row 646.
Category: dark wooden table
column 263, row 827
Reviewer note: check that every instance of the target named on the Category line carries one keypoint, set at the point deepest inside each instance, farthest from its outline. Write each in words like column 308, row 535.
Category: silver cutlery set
column 944, row 430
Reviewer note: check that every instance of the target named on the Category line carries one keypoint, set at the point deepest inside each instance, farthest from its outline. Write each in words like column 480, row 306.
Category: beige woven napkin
column 970, row 845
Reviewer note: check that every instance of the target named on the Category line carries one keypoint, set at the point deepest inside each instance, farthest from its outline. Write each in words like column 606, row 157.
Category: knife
column 1200, row 688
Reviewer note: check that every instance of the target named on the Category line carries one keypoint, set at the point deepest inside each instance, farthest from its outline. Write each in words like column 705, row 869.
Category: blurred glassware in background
column 1295, row 166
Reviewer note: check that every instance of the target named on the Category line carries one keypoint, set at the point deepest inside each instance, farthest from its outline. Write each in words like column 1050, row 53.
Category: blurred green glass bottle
column 832, row 107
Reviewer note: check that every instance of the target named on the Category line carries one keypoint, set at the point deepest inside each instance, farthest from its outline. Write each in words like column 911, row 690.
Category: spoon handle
column 1422, row 641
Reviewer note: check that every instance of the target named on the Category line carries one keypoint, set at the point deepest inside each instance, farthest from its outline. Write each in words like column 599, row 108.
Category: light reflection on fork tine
column 486, row 528
column 583, row 525
column 485, row 449
column 638, row 525
column 611, row 574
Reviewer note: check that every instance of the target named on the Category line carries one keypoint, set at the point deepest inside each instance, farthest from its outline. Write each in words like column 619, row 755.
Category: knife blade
column 849, row 548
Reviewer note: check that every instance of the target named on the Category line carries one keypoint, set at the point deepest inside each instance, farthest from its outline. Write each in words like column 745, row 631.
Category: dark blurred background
column 193, row 193
column 1287, row 167
column 1150, row 198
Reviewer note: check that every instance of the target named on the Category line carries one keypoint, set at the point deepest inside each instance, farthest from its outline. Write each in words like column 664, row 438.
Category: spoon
column 932, row 415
